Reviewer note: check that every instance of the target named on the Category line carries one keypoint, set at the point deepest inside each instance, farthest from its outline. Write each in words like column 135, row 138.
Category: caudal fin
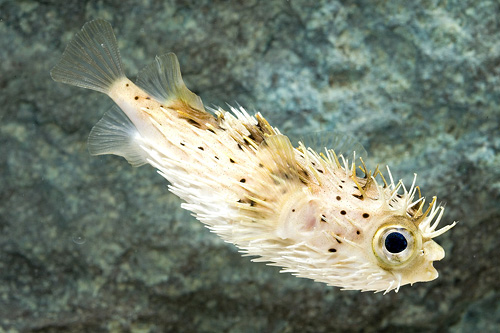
column 91, row 59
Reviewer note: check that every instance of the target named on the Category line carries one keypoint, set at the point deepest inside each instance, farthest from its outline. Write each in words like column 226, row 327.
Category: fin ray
column 115, row 134
column 91, row 59
column 163, row 80
column 342, row 143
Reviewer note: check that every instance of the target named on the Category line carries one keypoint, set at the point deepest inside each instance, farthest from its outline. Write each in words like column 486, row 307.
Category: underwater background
column 90, row 244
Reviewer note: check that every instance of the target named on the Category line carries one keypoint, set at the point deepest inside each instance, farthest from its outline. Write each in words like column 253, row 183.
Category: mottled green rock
column 93, row 245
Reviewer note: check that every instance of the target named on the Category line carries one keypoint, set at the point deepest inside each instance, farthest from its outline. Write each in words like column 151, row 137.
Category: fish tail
column 91, row 59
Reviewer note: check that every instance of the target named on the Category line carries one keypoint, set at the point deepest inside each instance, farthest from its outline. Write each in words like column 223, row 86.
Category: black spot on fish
column 183, row 144
column 126, row 85
column 148, row 97
column 332, row 250
column 231, row 160
column 239, row 146
column 201, row 148
column 366, row 215
column 136, row 98
column 358, row 232
column 343, row 212
column 338, row 198
column 358, row 196
column 242, row 180
column 216, row 157
column 293, row 210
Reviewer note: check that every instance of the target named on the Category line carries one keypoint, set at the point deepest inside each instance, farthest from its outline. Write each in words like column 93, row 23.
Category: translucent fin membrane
column 92, row 59
column 163, row 80
column 342, row 144
column 115, row 134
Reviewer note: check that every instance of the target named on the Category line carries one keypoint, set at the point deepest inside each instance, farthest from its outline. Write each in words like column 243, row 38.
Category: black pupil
column 395, row 242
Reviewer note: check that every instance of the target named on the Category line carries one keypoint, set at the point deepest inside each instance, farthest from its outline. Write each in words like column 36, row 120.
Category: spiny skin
column 307, row 212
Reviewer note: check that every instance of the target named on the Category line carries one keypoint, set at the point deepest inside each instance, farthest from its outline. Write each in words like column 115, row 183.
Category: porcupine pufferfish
column 307, row 212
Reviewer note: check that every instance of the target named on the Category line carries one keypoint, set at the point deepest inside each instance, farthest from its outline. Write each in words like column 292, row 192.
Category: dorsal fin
column 162, row 79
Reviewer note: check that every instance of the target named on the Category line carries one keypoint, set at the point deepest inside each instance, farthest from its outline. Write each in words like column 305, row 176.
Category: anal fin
column 115, row 134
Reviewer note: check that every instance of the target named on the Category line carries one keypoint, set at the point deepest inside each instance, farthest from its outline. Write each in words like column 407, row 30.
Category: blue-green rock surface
column 90, row 244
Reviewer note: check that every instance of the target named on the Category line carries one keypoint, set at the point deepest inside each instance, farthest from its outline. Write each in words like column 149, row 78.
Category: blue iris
column 395, row 242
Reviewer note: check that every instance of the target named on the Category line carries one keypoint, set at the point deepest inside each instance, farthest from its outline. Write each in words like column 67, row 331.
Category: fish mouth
column 424, row 269
column 433, row 251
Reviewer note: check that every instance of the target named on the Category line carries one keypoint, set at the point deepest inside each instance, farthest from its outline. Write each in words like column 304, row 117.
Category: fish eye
column 394, row 245
column 395, row 242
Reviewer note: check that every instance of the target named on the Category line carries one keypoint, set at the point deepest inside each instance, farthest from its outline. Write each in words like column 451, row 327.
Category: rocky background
column 93, row 245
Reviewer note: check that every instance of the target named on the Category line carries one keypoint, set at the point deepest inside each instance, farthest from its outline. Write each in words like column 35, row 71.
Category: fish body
column 307, row 212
